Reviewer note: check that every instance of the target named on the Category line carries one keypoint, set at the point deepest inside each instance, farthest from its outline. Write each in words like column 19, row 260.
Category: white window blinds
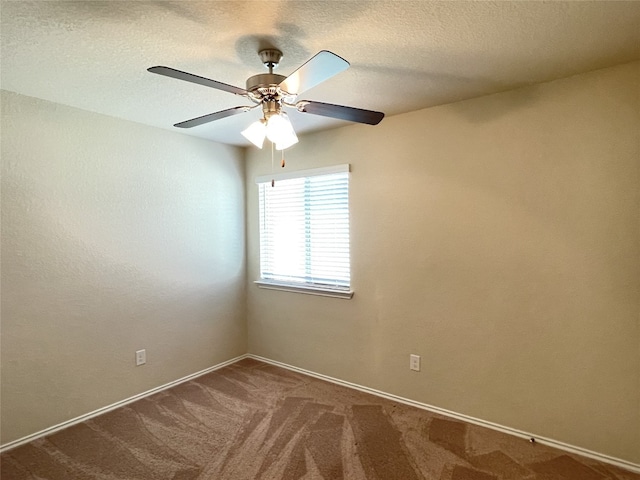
column 304, row 228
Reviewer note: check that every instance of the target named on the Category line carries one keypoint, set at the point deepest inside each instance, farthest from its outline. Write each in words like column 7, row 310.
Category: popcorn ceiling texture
column 404, row 55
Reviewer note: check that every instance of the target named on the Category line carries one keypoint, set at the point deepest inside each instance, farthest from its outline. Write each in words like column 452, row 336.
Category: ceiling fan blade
column 317, row 69
column 340, row 111
column 188, row 77
column 194, row 122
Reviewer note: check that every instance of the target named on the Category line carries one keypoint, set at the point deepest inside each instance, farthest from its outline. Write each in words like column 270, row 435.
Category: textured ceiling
column 404, row 55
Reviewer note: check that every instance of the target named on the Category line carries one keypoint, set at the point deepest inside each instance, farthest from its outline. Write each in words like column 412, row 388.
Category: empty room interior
column 490, row 160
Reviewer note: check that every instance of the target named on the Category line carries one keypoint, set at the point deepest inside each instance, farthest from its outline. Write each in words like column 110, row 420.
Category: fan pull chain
column 282, row 163
column 273, row 181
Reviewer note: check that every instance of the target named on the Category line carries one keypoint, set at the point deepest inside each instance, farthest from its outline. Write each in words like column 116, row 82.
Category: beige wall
column 115, row 237
column 499, row 239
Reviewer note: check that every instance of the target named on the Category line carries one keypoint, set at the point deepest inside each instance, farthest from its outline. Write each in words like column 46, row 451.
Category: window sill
column 306, row 289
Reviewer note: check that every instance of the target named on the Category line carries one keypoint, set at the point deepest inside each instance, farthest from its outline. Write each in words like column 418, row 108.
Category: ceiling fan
column 273, row 92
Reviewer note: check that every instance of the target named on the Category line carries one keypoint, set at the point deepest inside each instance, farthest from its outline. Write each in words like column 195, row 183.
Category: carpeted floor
column 252, row 420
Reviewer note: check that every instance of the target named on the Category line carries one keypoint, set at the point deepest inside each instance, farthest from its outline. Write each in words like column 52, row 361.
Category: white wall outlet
column 414, row 362
column 141, row 357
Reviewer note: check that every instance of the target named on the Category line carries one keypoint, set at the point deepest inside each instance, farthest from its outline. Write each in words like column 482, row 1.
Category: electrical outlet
column 141, row 357
column 414, row 362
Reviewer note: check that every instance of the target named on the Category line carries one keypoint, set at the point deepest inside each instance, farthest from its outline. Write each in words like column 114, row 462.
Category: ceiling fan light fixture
column 288, row 143
column 280, row 131
column 290, row 140
column 256, row 133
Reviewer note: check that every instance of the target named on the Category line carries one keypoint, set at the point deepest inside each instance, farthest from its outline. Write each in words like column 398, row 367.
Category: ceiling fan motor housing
column 265, row 83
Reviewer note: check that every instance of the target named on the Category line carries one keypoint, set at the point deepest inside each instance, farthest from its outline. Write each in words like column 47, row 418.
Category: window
column 304, row 231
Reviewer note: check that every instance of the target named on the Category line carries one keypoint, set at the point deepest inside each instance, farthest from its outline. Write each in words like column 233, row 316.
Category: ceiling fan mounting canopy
column 270, row 57
column 273, row 91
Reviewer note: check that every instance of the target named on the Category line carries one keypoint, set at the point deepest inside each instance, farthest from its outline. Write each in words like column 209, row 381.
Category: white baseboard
column 113, row 406
column 634, row 467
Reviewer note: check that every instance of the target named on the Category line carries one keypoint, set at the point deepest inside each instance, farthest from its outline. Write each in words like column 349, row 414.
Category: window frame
column 300, row 287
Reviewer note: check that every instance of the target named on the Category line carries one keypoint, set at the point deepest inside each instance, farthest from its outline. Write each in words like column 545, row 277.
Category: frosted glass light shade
column 280, row 131
column 289, row 141
column 255, row 133
column 276, row 128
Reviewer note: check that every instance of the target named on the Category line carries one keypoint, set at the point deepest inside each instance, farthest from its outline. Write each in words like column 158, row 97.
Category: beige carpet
column 252, row 420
